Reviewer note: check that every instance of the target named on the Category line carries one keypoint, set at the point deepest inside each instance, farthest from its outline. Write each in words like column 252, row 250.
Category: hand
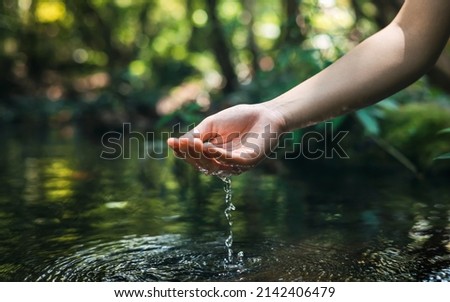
column 231, row 141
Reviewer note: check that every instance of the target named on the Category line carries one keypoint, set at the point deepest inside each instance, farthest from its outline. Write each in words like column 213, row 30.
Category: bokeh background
column 70, row 71
column 95, row 64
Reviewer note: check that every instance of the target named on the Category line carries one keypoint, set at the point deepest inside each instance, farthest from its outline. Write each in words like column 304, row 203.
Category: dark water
column 67, row 215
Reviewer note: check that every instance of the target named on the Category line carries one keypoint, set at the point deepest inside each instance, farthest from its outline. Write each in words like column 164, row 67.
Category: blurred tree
column 123, row 56
column 220, row 47
column 293, row 29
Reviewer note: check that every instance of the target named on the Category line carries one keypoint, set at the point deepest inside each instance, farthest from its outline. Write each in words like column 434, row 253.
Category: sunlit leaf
column 369, row 123
column 388, row 104
column 443, row 156
column 446, row 130
column 50, row 11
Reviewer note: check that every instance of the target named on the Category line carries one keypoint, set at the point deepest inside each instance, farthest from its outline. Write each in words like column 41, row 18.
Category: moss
column 413, row 130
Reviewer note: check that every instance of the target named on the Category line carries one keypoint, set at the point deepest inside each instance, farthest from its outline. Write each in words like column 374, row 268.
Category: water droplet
column 229, row 207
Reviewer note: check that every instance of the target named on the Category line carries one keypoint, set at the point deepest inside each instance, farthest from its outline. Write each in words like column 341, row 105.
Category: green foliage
column 188, row 114
column 444, row 131
column 105, row 62
column 370, row 117
column 413, row 128
column 155, row 45
column 368, row 121
column 446, row 155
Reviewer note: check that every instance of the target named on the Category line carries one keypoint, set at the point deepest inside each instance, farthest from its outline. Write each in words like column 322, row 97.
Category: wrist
column 276, row 115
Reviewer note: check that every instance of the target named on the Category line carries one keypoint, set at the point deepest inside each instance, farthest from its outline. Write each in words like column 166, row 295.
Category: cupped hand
column 231, row 141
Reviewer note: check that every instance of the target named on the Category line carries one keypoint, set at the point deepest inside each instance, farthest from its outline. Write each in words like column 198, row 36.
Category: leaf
column 446, row 130
column 388, row 104
column 443, row 156
column 337, row 121
column 380, row 109
column 369, row 123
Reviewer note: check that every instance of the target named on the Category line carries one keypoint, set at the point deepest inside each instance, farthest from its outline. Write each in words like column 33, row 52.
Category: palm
column 229, row 142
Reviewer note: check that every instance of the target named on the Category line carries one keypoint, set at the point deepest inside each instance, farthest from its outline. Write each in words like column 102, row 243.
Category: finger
column 203, row 131
column 192, row 147
column 231, row 167
column 203, row 156
column 238, row 157
column 173, row 143
column 197, row 156
column 203, row 163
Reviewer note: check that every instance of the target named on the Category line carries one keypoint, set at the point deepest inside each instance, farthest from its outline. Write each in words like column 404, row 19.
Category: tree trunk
column 220, row 47
column 293, row 29
column 251, row 44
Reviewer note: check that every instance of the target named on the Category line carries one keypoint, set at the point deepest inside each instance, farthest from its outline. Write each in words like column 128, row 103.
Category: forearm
column 383, row 64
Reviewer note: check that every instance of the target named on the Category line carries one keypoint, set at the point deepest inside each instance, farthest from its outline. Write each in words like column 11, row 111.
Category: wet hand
column 231, row 141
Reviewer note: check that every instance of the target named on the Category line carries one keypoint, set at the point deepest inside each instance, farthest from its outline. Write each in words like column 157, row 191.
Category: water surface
column 67, row 215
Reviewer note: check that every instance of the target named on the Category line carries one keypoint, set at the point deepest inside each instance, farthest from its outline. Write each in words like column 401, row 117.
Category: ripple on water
column 159, row 258
column 177, row 258
column 311, row 260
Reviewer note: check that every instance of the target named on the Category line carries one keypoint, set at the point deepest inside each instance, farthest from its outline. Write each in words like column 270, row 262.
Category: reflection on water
column 158, row 258
column 67, row 215
column 177, row 258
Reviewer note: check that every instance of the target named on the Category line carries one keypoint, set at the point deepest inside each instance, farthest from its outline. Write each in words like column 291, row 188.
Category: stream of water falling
column 229, row 207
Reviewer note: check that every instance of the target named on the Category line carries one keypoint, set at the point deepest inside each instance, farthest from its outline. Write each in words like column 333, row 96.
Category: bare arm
column 378, row 67
column 236, row 139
